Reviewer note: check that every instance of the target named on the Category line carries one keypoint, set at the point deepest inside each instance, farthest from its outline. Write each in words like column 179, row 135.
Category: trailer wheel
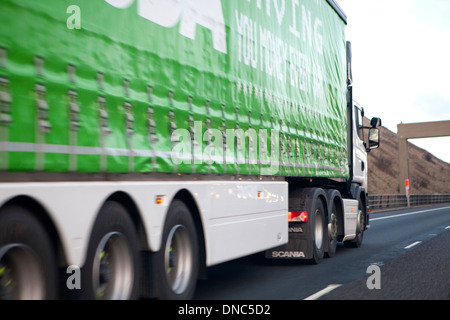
column 318, row 231
column 27, row 261
column 177, row 263
column 112, row 270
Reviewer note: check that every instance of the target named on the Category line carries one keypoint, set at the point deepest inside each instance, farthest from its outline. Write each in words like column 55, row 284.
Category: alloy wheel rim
column 178, row 259
column 21, row 275
column 113, row 272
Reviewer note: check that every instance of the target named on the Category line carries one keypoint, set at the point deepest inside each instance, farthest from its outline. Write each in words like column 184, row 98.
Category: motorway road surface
column 411, row 248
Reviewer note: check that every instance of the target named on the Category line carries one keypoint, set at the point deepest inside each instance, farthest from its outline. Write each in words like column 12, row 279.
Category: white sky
column 401, row 62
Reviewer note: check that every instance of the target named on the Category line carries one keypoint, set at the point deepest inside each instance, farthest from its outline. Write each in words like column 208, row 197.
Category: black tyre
column 27, row 260
column 318, row 229
column 177, row 263
column 112, row 268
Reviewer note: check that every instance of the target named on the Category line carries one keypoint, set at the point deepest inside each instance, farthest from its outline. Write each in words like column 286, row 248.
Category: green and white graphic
column 193, row 86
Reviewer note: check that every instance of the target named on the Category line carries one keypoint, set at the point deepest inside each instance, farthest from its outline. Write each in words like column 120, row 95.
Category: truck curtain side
column 162, row 137
column 210, row 87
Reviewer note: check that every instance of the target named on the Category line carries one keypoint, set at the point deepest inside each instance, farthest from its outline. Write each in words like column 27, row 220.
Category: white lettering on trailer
column 168, row 13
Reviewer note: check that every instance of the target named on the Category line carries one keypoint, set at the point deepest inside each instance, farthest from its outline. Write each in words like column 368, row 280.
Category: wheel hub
column 332, row 226
column 113, row 268
column 21, row 275
column 178, row 259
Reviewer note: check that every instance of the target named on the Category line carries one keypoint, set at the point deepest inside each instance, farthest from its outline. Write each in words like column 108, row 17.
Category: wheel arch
column 130, row 206
column 42, row 214
column 189, row 200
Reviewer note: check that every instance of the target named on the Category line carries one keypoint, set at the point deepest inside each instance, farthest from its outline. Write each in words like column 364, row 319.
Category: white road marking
column 447, row 227
column 413, row 244
column 323, row 292
column 407, row 214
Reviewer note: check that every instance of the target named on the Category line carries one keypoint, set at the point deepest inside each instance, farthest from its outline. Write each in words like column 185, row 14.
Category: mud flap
column 297, row 246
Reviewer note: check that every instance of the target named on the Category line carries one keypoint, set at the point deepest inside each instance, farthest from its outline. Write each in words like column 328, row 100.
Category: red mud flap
column 297, row 247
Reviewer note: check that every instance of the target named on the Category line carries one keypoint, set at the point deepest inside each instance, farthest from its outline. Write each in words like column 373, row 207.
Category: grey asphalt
column 421, row 272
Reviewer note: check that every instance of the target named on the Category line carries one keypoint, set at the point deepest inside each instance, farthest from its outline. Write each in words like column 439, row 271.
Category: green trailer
column 255, row 88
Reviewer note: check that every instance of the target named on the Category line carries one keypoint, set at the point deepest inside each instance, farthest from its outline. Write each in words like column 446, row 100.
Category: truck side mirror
column 375, row 122
column 374, row 139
